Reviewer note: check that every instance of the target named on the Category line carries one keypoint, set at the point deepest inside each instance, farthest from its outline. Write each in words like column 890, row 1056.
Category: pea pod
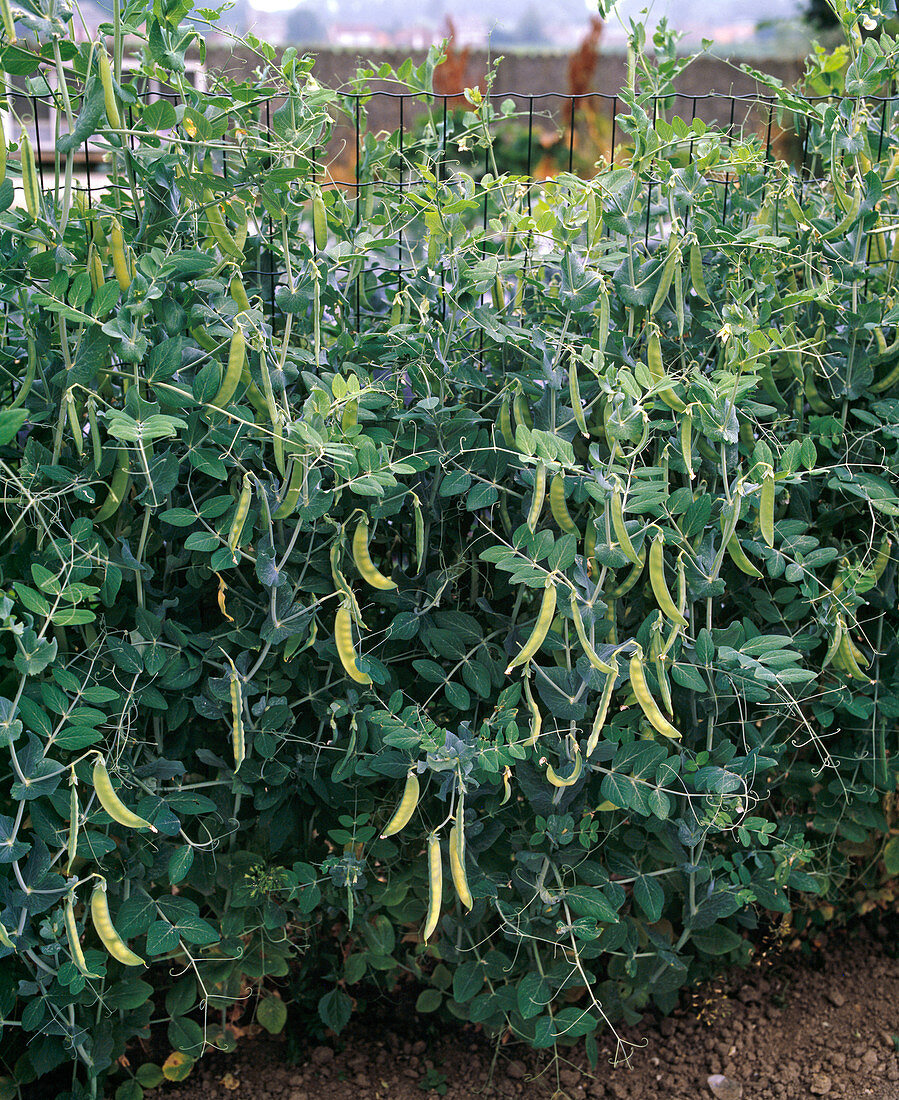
column 592, row 656
column 238, row 737
column 616, row 511
column 220, row 232
column 319, row 221
column 697, row 278
column 686, row 442
column 538, row 497
column 238, row 293
column 120, row 265
column 603, row 320
column 111, row 802
column 541, row 628
column 847, row 221
column 574, row 393
column 498, row 294
column 343, row 639
column 668, row 271
column 118, row 487
column 406, row 808
column 110, row 939
column 644, row 697
column 75, row 940
column 603, row 709
column 30, row 185
column 636, row 572
column 419, row 534
column 435, row 887
column 367, row 569
column 659, row 584
column 505, row 422
column 739, row 558
column 292, row 494
column 6, row 938
column 559, row 506
column 74, row 819
column 109, row 97
column 230, row 382
column 766, row 507
column 521, row 410
column 536, row 716
column 457, row 861
column 240, row 514
column 657, row 371
column 570, row 780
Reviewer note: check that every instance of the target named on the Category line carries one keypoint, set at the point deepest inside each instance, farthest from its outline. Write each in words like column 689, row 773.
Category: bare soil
column 795, row 1027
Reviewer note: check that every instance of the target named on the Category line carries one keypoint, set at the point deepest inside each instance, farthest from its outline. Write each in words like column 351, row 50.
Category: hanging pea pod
column 111, row 802
column 231, row 380
column 697, row 278
column 657, row 657
column 686, row 442
column 505, row 422
column 507, row 785
column 238, row 293
column 604, row 319
column 343, row 639
column 319, row 220
column 120, row 265
column 74, row 822
column 570, row 780
column 74, row 939
column 406, row 807
column 30, row 184
column 521, row 410
column 238, row 737
column 118, row 487
column 657, row 371
column 541, row 627
column 294, row 484
column 103, row 925
column 574, row 393
column 559, row 506
column 367, row 569
column 6, row 938
column 435, row 887
column 592, row 656
column 848, row 220
column 538, row 497
column 594, row 218
column 636, row 572
column 659, row 584
column 616, row 511
column 457, row 858
column 110, row 102
column 536, row 716
column 9, row 24
column 644, row 697
column 419, row 534
column 668, row 271
column 603, row 709
column 766, row 507
column 240, row 515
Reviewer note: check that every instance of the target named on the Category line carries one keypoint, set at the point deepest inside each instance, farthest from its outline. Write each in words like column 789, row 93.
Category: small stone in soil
column 836, row 998
column 821, row 1085
column 516, row 1069
column 725, row 1088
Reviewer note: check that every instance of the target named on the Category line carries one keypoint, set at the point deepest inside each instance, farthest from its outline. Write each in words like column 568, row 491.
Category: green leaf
column 11, row 422
column 335, row 1009
column 429, row 1000
column 272, row 1014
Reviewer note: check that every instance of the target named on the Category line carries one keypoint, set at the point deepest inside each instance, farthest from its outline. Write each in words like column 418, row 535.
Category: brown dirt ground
column 793, row 1027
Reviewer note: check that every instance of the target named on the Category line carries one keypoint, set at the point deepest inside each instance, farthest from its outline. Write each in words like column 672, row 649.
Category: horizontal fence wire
column 531, row 136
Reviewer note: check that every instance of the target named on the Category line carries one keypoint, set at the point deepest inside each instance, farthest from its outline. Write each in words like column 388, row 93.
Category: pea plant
column 478, row 587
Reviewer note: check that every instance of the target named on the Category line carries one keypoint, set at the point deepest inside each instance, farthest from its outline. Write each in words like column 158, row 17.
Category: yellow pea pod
column 616, row 512
column 240, row 514
column 236, row 355
column 109, row 97
column 603, row 319
column 110, row 939
column 9, row 24
column 291, row 497
column 30, row 184
column 238, row 735
column 538, row 497
column 5, row 938
column 95, row 268
column 569, row 781
column 118, row 487
column 882, row 559
column 659, row 584
column 435, row 887
column 343, row 639
column 74, row 940
column 111, row 802
column 602, row 710
column 536, row 716
column 559, row 506
column 120, row 266
column 574, row 394
column 636, row 572
column 697, row 278
column 504, row 422
column 406, row 808
column 507, row 785
column 591, row 654
column 319, row 221
column 644, row 697
column 457, row 863
column 835, row 643
column 541, row 628
column 849, row 662
column 498, row 294
column 238, row 293
column 367, row 569
column 766, row 507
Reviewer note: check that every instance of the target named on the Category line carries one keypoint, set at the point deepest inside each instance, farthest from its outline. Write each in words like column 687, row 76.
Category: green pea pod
column 697, row 277
column 319, row 221
column 118, row 487
column 109, row 96
column 667, row 275
column 9, row 25
column 30, row 184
